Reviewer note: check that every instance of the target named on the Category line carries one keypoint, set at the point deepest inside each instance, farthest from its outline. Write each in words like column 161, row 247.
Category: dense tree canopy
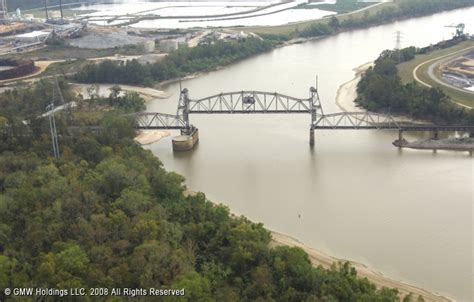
column 381, row 89
column 179, row 63
column 107, row 214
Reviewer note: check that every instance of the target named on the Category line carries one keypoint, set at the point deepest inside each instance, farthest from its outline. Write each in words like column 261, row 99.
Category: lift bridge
column 259, row 102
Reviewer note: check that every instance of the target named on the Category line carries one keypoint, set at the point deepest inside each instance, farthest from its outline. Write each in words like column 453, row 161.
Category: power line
column 57, row 97
column 52, row 128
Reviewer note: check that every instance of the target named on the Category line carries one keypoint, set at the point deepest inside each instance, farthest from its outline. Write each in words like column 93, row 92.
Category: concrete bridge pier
column 311, row 137
column 400, row 135
column 186, row 141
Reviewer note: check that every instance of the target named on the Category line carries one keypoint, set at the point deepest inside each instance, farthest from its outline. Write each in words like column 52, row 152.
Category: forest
column 178, row 63
column 381, row 89
column 107, row 214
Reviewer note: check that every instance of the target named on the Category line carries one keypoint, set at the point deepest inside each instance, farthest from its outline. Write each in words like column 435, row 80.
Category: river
column 405, row 213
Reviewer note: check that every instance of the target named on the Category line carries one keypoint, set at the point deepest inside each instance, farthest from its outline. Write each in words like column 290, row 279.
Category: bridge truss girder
column 258, row 102
column 154, row 120
column 356, row 120
column 251, row 102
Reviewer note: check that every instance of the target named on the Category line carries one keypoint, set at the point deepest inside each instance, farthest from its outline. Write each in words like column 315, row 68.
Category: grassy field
column 290, row 28
column 405, row 70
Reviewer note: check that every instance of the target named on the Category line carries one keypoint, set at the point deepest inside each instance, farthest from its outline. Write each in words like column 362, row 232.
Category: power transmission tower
column 3, row 11
column 398, row 43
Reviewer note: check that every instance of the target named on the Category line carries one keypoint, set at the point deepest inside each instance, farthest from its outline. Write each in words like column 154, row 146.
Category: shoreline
column 147, row 137
column 347, row 92
column 318, row 257
column 379, row 279
column 345, row 101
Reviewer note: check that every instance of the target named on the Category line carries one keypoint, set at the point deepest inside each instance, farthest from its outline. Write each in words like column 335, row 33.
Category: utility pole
column 46, row 9
column 61, row 10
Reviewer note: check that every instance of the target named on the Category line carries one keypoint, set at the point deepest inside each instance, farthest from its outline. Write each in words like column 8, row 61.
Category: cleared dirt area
column 103, row 40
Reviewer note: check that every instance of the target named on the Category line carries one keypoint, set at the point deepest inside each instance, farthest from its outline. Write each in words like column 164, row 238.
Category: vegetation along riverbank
column 425, row 66
column 381, row 89
column 107, row 214
column 186, row 61
column 370, row 16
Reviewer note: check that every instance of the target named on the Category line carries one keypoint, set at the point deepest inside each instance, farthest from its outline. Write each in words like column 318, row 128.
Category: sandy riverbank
column 319, row 258
column 347, row 92
column 104, row 90
column 146, row 137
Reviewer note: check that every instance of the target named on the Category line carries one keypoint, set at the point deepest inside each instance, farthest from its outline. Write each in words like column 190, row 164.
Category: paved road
column 434, row 78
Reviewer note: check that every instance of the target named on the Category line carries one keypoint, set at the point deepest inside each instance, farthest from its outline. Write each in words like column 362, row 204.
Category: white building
column 31, row 37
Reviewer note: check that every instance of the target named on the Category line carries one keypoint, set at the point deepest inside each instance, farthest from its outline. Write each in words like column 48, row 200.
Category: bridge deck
column 258, row 102
column 401, row 128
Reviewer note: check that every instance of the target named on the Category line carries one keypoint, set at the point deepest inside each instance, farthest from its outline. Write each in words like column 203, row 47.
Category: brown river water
column 405, row 213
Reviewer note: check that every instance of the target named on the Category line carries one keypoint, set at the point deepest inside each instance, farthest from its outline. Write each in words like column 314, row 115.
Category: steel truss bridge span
column 259, row 102
column 253, row 102
column 155, row 120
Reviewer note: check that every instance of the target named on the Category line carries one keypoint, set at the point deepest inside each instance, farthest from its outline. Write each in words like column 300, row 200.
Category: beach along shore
column 319, row 258
column 347, row 92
